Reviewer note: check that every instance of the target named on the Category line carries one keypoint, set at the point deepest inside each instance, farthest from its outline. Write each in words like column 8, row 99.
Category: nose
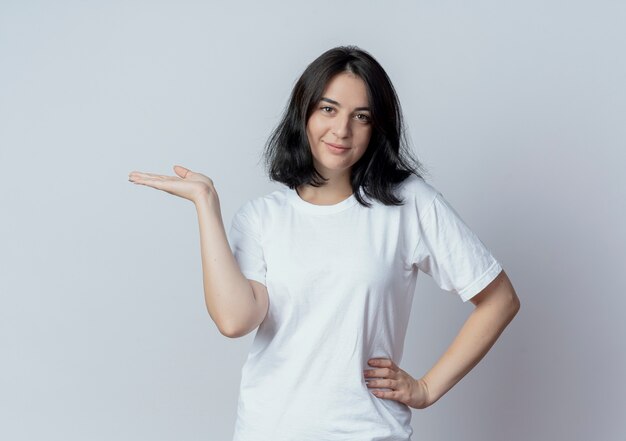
column 342, row 128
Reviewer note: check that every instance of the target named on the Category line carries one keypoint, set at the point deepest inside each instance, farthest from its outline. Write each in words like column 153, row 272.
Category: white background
column 517, row 110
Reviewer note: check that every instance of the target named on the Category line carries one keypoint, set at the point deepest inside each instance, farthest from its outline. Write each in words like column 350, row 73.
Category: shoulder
column 417, row 193
column 260, row 207
column 417, row 185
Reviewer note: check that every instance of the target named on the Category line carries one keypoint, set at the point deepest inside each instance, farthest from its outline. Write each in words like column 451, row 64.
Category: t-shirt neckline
column 301, row 204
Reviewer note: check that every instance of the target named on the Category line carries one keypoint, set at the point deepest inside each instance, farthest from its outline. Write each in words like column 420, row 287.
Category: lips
column 337, row 145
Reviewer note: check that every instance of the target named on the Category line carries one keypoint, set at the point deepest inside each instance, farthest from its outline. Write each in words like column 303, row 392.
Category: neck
column 332, row 192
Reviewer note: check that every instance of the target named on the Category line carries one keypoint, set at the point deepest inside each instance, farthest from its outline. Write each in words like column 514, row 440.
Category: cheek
column 314, row 128
column 364, row 137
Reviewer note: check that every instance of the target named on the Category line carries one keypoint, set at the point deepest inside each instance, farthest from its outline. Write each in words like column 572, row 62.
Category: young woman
column 326, row 266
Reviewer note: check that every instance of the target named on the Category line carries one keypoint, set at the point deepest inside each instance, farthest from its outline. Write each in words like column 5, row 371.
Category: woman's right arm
column 236, row 304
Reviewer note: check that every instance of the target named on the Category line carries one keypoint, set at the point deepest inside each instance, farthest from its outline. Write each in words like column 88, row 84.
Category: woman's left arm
column 496, row 305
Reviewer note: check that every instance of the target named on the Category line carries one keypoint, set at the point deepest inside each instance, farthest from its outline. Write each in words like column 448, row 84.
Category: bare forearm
column 476, row 337
column 228, row 294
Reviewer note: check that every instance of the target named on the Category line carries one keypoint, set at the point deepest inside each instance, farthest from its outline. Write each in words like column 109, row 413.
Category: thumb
column 181, row 171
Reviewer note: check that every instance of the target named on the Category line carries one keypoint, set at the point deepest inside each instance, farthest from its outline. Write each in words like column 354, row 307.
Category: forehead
column 347, row 88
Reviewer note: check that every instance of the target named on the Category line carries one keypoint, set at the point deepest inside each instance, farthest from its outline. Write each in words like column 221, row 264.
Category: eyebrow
column 337, row 104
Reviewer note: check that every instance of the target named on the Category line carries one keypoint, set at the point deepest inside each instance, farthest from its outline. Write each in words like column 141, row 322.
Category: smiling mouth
column 337, row 145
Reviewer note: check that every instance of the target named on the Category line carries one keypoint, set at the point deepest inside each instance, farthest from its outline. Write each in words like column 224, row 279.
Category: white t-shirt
column 341, row 280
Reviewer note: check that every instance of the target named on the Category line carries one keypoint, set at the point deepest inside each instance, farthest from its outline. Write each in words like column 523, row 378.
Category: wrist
column 421, row 394
column 205, row 199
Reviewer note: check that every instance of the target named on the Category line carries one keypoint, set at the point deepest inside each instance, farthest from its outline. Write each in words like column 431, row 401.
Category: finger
column 181, row 171
column 389, row 364
column 145, row 174
column 380, row 362
column 375, row 373
column 148, row 175
column 371, row 373
column 383, row 373
column 144, row 179
column 386, row 383
column 152, row 182
column 379, row 393
column 388, row 394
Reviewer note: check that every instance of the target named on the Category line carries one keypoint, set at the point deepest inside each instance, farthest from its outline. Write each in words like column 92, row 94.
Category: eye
column 323, row 108
column 365, row 118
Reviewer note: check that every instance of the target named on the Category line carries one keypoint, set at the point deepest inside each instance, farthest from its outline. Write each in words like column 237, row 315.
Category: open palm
column 186, row 184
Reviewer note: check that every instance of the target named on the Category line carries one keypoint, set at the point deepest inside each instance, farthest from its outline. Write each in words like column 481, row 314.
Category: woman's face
column 339, row 128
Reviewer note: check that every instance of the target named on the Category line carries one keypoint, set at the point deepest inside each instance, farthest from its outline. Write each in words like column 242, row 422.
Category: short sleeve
column 245, row 243
column 451, row 253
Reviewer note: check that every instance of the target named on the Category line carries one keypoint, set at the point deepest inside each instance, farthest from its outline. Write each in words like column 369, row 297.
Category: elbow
column 226, row 332
column 226, row 327
column 509, row 300
column 232, row 331
column 249, row 317
column 514, row 305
